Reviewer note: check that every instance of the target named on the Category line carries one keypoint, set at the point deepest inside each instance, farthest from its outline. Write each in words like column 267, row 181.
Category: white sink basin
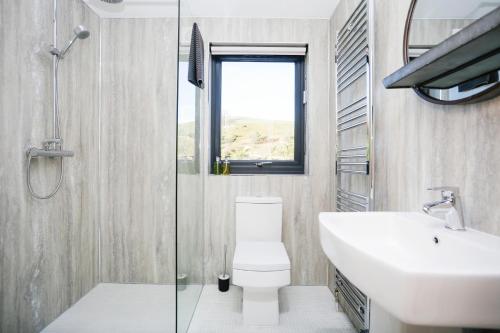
column 395, row 260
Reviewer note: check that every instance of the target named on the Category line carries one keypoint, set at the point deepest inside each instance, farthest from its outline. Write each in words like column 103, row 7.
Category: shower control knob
column 52, row 144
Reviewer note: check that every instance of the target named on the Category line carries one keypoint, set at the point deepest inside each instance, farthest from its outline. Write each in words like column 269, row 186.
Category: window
column 258, row 113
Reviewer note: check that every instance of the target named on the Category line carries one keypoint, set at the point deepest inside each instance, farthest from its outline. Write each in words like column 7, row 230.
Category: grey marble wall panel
column 419, row 144
column 137, row 156
column 48, row 248
column 436, row 145
column 190, row 227
column 303, row 196
column 434, row 31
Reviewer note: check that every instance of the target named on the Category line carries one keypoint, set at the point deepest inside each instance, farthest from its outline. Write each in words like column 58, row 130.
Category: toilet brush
column 224, row 277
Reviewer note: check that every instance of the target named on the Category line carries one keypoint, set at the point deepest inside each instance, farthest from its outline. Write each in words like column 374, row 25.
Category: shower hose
column 28, row 175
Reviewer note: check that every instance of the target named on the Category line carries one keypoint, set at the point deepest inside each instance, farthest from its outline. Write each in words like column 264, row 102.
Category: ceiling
column 134, row 8
column 216, row 8
column 259, row 8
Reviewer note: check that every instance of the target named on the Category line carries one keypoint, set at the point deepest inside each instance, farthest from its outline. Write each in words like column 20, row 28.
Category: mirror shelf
column 470, row 53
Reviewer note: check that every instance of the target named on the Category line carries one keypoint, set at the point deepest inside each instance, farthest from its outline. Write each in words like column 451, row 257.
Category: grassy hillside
column 244, row 138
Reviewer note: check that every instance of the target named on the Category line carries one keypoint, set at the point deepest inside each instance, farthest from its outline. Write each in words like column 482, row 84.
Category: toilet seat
column 266, row 280
column 261, row 257
column 261, row 265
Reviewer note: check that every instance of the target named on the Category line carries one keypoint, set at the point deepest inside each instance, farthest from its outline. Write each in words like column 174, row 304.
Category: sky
column 258, row 90
column 249, row 89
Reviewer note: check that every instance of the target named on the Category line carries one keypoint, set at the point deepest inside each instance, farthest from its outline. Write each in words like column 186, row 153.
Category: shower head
column 80, row 33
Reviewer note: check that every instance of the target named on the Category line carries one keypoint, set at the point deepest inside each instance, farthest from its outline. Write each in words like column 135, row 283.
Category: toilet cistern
column 450, row 198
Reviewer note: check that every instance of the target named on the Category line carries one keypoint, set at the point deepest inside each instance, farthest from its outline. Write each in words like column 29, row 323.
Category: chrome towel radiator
column 355, row 304
column 354, row 114
column 354, row 165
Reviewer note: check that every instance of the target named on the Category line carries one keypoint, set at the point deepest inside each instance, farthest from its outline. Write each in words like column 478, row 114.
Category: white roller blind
column 283, row 49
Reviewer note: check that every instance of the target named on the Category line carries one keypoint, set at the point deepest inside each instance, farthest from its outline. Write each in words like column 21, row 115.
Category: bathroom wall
column 437, row 145
column 419, row 144
column 303, row 196
column 433, row 31
column 48, row 249
column 137, row 155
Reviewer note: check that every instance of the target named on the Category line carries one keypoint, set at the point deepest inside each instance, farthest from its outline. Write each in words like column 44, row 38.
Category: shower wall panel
column 48, row 249
column 137, row 156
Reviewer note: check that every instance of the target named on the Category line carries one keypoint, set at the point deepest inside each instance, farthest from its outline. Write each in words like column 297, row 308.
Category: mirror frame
column 484, row 95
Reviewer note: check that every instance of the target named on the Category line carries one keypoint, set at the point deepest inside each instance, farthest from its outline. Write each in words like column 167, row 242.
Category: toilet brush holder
column 224, row 280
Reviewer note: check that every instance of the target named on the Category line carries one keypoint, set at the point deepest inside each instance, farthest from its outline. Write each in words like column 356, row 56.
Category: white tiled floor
column 120, row 308
column 187, row 300
column 302, row 310
column 141, row 308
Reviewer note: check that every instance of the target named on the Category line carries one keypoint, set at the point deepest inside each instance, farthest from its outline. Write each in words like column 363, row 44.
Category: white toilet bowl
column 261, row 268
column 261, row 265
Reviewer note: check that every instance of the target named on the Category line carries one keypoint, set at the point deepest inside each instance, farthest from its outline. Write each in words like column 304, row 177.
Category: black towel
column 196, row 58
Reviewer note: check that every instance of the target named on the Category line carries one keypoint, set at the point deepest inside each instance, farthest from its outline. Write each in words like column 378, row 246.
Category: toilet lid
column 261, row 257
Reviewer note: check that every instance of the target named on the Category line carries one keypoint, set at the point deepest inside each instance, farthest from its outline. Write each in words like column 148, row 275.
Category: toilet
column 260, row 265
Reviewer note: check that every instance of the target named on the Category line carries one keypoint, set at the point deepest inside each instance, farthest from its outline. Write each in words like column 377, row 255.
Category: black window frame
column 297, row 166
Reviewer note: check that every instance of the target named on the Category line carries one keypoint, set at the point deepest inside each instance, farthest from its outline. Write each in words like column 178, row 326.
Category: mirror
column 429, row 23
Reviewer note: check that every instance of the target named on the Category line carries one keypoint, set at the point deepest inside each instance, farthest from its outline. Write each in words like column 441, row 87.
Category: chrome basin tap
column 449, row 198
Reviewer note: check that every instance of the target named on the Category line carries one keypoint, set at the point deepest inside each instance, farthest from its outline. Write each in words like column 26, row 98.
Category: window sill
column 262, row 175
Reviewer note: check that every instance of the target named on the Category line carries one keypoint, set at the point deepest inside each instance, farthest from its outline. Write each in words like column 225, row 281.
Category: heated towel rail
column 354, row 166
